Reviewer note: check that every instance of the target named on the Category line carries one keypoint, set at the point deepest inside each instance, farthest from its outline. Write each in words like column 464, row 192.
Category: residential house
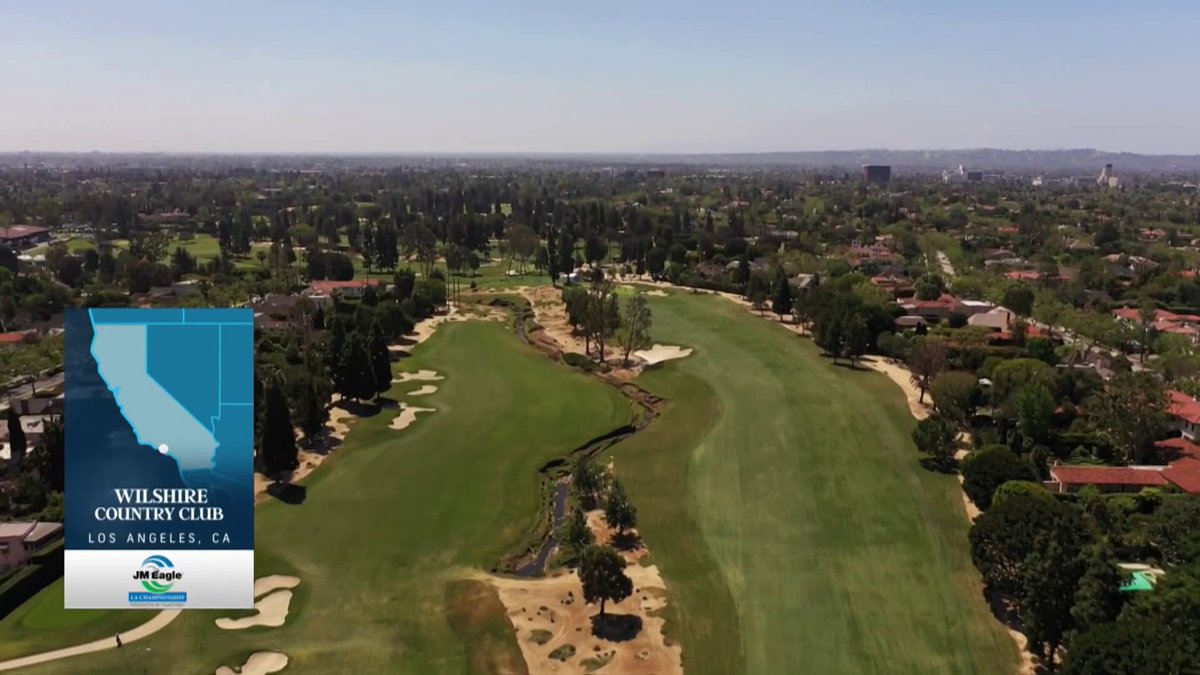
column 1184, row 412
column 353, row 289
column 20, row 541
column 1107, row 478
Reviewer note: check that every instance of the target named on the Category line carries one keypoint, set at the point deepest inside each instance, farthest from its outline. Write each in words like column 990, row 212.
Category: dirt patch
column 259, row 663
column 659, row 353
column 408, row 415
column 423, row 391
column 270, row 611
column 557, row 630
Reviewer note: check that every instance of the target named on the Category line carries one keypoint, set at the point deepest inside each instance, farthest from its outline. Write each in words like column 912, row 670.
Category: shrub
column 985, row 471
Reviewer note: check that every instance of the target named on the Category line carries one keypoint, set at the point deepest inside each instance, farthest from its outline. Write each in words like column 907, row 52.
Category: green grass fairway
column 394, row 518
column 41, row 624
column 783, row 500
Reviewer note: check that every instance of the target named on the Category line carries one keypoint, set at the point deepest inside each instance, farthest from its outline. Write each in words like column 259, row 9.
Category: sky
column 646, row 76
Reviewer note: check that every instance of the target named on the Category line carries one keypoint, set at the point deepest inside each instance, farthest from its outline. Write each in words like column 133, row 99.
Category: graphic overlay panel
column 160, row 458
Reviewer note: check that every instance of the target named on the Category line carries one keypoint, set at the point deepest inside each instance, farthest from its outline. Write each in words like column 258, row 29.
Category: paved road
column 159, row 622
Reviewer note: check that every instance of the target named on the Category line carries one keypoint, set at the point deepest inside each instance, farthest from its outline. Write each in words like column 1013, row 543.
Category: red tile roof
column 328, row 286
column 1107, row 475
column 1179, row 446
column 12, row 338
column 1185, row 473
column 21, row 231
column 1183, row 406
column 1031, row 275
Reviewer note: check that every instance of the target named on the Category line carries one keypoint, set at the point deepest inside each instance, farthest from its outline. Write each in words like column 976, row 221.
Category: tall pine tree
column 381, row 359
column 278, row 454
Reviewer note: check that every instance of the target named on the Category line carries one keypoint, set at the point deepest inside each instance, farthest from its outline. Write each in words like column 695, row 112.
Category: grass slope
column 787, row 490
column 394, row 517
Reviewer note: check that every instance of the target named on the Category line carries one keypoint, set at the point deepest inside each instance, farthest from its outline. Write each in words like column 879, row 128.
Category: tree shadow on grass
column 626, row 541
column 616, row 627
column 930, row 464
column 288, row 493
column 367, row 408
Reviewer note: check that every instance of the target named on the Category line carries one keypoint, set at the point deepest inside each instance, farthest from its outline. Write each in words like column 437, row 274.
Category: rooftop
column 1109, row 475
column 1185, row 473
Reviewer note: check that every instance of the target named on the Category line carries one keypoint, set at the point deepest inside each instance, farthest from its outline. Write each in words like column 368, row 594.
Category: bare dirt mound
column 259, row 663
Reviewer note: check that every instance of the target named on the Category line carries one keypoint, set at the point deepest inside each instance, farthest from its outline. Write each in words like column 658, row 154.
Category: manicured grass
column 395, row 516
column 788, row 490
column 481, row 622
column 41, row 624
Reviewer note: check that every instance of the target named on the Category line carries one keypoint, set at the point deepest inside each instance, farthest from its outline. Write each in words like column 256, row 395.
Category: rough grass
column 393, row 517
column 785, row 506
column 481, row 623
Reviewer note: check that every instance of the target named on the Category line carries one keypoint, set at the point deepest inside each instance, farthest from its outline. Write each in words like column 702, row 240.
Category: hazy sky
column 613, row 76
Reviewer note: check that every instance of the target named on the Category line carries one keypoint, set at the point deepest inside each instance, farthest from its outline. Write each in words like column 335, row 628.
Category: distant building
column 19, row 541
column 974, row 176
column 21, row 237
column 877, row 174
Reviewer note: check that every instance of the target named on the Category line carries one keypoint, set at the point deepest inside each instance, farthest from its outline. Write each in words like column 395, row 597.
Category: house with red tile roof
column 1184, row 474
column 329, row 288
column 1184, row 412
column 1107, row 478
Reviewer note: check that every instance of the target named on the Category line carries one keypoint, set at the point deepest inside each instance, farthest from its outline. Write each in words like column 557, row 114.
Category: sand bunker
column 408, row 415
column 658, row 293
column 418, row 376
column 423, row 391
column 259, row 663
column 553, row 624
column 271, row 610
column 659, row 353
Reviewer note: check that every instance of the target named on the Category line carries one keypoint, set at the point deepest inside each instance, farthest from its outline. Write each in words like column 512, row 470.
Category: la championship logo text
column 157, row 576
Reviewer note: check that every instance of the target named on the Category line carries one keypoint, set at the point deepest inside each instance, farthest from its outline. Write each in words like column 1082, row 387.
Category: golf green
column 783, row 501
column 394, row 518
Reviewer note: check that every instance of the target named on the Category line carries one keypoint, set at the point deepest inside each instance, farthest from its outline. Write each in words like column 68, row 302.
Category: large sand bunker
column 271, row 610
column 408, row 415
column 423, row 391
column 259, row 663
column 659, row 353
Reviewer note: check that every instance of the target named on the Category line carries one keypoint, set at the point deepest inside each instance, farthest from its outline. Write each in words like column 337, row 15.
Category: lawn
column 391, row 521
column 783, row 501
column 41, row 623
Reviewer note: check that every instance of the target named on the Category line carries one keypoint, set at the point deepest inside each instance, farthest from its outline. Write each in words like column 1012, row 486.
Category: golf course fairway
column 784, row 504
column 392, row 521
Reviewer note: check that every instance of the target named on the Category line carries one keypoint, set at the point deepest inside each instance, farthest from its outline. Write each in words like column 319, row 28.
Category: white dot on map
column 163, row 448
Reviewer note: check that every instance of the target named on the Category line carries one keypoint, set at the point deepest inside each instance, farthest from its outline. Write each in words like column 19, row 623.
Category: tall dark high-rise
column 877, row 174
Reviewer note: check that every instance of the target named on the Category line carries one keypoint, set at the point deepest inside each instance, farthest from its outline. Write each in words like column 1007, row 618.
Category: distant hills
column 1084, row 161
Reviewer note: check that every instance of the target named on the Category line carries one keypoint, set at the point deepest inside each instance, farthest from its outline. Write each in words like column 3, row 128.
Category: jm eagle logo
column 158, row 576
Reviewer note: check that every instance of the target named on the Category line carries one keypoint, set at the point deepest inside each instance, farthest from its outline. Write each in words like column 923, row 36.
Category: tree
column 929, row 287
column 278, row 453
column 16, row 439
column 1098, row 598
column 356, row 376
column 587, row 481
column 618, row 512
column 1003, row 537
column 575, row 534
column 312, row 411
column 781, row 293
column 926, row 359
column 954, row 394
column 1051, row 578
column 381, row 359
column 602, row 571
column 1019, row 298
column 523, row 243
column 1130, row 413
column 1175, row 529
column 988, row 469
column 47, row 458
column 635, row 330
column 1035, row 412
column 1019, row 488
column 937, row 436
